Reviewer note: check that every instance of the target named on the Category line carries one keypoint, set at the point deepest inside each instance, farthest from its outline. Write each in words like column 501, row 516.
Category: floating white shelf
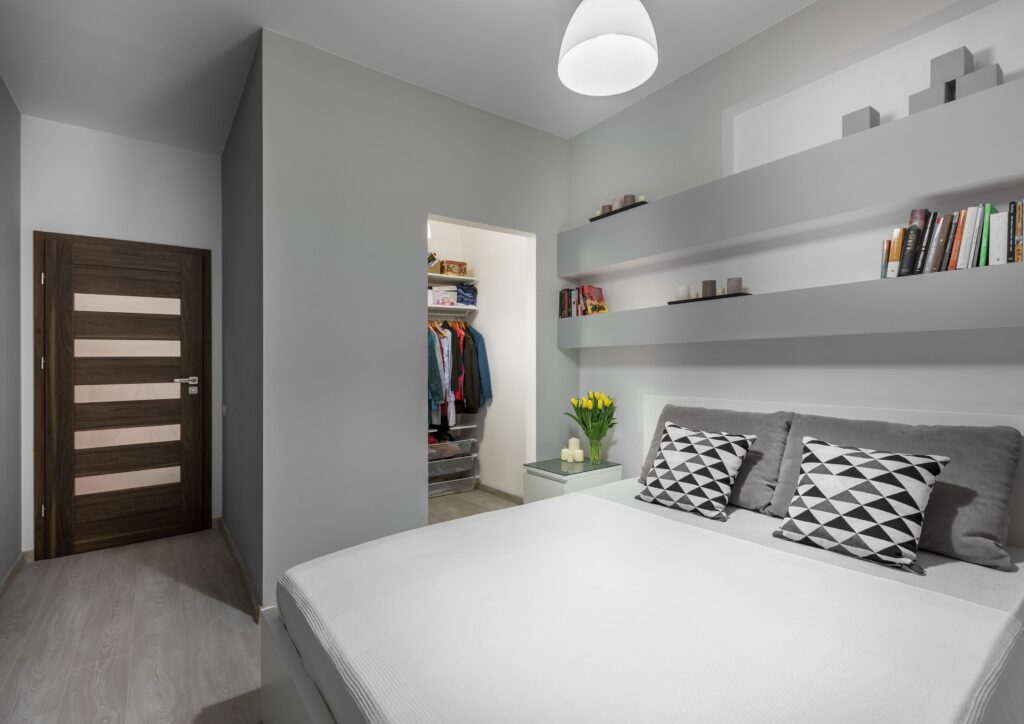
column 449, row 279
column 953, row 154
column 451, row 309
column 985, row 298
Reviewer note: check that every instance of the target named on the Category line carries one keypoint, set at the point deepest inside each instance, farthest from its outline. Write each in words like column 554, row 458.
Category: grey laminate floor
column 460, row 505
column 152, row 632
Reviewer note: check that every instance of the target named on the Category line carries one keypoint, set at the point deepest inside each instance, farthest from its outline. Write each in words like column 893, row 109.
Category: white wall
column 674, row 139
column 80, row 181
column 354, row 161
column 812, row 115
column 505, row 267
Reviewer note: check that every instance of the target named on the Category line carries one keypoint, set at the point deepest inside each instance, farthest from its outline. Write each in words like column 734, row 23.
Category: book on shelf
column 979, row 229
column 895, row 251
column 1018, row 242
column 912, row 241
column 925, row 245
column 581, row 301
column 956, row 232
column 976, row 236
column 937, row 246
column 986, row 232
column 998, row 227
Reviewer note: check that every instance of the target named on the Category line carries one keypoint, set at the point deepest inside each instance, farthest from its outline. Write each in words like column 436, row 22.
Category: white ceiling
column 171, row 70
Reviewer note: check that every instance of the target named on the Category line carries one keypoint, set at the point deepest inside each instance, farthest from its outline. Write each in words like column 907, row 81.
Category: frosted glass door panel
column 127, row 481
column 127, row 348
column 131, row 305
column 125, row 393
column 86, row 439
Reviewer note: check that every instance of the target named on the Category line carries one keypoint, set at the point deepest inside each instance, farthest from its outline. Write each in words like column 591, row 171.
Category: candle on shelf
column 574, row 443
column 682, row 292
column 566, row 454
column 708, row 288
column 577, row 455
column 734, row 285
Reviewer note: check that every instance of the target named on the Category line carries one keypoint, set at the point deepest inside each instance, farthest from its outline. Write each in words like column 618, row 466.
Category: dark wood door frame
column 45, row 525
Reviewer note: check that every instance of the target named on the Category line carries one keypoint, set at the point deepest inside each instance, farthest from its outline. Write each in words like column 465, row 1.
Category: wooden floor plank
column 159, row 689
column 461, row 505
column 36, row 686
column 97, row 693
column 107, row 632
column 19, row 607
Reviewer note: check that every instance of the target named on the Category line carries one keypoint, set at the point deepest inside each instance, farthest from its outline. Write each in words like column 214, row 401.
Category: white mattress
column 598, row 608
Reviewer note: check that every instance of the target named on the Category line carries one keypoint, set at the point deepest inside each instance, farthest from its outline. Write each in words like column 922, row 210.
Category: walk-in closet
column 481, row 366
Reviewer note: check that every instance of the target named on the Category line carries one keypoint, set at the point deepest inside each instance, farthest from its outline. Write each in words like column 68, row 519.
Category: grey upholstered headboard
column 653, row 405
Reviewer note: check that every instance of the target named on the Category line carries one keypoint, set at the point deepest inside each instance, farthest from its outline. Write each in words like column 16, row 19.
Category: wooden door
column 122, row 392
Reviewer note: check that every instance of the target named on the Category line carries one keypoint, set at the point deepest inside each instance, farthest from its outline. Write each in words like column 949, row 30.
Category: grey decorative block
column 979, row 80
column 860, row 120
column 931, row 97
column 952, row 65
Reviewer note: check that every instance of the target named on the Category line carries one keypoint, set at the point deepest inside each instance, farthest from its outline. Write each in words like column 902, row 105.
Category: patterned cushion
column 862, row 502
column 695, row 470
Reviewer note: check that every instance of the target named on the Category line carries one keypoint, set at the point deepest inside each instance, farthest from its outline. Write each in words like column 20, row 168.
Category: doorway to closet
column 476, row 454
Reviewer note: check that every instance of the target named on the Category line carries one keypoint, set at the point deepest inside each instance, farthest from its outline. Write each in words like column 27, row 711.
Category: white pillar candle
column 682, row 292
column 574, row 443
column 577, row 455
column 566, row 454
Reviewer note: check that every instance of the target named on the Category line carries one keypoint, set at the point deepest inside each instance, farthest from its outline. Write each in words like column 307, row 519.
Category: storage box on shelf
column 857, row 182
column 923, row 303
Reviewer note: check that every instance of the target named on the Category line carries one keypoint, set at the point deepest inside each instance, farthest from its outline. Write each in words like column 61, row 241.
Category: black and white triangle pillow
column 695, row 470
column 864, row 503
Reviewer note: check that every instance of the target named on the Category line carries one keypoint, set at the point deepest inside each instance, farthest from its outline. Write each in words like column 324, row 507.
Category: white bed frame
column 291, row 697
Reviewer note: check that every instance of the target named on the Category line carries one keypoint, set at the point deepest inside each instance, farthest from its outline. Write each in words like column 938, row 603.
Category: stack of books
column 581, row 301
column 933, row 242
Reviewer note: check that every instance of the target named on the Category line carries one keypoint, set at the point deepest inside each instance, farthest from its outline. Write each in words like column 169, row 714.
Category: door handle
column 187, row 380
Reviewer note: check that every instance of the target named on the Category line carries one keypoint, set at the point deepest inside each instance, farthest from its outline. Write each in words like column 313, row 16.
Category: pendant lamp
column 608, row 48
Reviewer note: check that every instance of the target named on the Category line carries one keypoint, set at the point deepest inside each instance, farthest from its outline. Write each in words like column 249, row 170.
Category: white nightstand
column 550, row 478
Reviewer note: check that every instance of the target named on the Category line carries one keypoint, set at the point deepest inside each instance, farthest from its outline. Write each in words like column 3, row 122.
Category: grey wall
column 354, row 161
column 242, row 219
column 10, row 374
column 673, row 140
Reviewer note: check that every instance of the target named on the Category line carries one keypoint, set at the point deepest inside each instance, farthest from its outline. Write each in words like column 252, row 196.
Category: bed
column 596, row 607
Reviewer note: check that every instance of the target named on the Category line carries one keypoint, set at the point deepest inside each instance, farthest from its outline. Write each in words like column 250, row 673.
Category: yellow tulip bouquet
column 595, row 414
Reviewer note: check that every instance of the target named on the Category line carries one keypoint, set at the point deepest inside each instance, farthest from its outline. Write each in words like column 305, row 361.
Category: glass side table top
column 560, row 467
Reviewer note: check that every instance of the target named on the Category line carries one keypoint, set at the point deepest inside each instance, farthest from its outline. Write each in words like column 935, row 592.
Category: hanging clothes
column 458, row 375
column 446, row 408
column 435, row 392
column 471, row 378
column 486, row 393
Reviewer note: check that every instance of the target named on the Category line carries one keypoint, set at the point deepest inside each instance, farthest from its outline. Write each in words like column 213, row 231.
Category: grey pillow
column 968, row 515
column 759, row 473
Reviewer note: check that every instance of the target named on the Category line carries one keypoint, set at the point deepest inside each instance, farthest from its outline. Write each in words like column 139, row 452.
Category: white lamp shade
column 608, row 48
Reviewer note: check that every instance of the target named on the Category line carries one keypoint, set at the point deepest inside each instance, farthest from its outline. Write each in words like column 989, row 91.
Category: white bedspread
column 580, row 609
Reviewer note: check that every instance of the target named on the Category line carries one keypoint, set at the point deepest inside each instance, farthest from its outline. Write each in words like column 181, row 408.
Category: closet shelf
column 452, row 309
column 944, row 157
column 449, row 279
column 983, row 298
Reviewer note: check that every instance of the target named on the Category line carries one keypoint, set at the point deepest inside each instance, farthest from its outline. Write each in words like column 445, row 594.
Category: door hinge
column 42, row 511
column 42, row 278
column 42, row 363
